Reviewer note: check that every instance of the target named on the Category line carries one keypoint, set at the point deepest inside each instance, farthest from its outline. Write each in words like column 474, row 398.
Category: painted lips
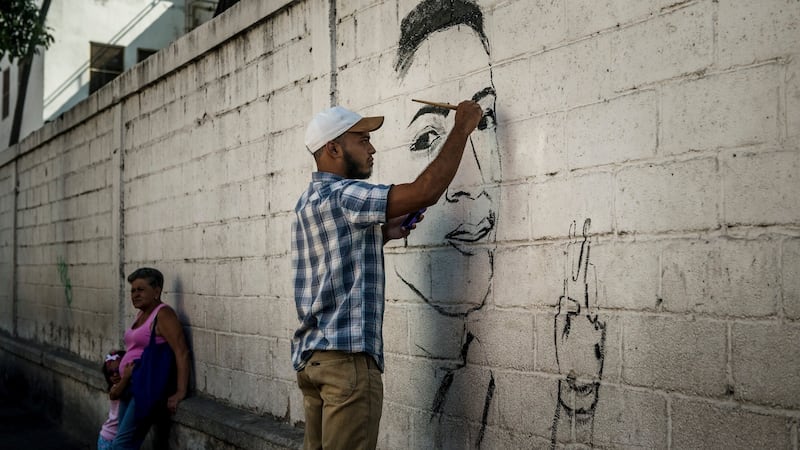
column 468, row 232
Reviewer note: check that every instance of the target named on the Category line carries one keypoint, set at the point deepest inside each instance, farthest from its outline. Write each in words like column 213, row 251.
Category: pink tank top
column 137, row 339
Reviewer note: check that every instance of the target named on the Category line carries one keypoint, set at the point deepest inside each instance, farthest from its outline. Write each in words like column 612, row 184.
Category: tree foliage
column 21, row 29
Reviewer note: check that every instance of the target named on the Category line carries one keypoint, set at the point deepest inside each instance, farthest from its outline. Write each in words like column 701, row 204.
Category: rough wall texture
column 616, row 264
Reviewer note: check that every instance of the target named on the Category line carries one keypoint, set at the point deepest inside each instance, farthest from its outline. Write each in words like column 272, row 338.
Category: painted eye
column 487, row 121
column 425, row 140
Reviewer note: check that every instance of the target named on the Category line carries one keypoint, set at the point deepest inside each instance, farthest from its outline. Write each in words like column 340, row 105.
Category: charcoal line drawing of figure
column 579, row 337
column 463, row 225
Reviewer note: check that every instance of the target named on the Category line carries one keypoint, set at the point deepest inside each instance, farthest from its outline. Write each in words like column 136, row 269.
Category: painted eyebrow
column 430, row 110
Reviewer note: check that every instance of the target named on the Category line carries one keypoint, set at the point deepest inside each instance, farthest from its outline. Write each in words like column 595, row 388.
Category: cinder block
column 228, row 277
column 278, row 230
column 283, row 322
column 514, row 221
column 410, row 382
column 349, row 7
column 204, row 279
column 623, row 275
column 218, row 381
column 588, row 345
column 247, row 388
column 395, row 329
column 520, row 27
column 248, row 316
column 290, row 108
column 281, row 285
column 404, row 270
column 528, row 276
column 747, row 34
column 281, row 361
column 540, row 92
column 204, row 346
column 588, row 196
column 434, row 335
column 531, row 393
column 300, row 62
column 358, row 84
column 771, row 349
column 663, row 352
column 278, row 395
column 793, row 101
column 458, row 282
column 623, row 129
column 254, row 275
column 376, row 29
column 542, row 139
column 290, row 24
column 285, row 188
column 663, row 47
column 729, row 277
column 572, row 75
column 440, row 432
column 395, row 426
column 630, row 418
column 761, row 189
column 672, row 196
column 790, row 267
column 726, row 110
column 586, row 17
column 700, row 424
column 503, row 338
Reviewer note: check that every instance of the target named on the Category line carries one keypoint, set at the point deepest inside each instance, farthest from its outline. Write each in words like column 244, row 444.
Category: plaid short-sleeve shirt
column 337, row 257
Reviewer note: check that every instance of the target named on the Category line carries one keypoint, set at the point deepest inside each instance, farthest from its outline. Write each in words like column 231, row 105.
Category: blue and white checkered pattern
column 337, row 256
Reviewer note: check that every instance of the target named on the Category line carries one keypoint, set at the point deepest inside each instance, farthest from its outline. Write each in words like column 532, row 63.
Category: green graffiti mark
column 62, row 272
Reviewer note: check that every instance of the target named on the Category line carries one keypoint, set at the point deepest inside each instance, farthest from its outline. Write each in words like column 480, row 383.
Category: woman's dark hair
column 153, row 276
column 104, row 368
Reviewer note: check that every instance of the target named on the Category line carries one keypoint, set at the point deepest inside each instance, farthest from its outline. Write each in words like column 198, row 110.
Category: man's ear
column 330, row 148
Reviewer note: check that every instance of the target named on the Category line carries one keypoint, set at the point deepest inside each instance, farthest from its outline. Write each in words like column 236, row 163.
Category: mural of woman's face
column 464, row 220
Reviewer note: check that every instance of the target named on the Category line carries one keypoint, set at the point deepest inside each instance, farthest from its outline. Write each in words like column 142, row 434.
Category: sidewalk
column 21, row 429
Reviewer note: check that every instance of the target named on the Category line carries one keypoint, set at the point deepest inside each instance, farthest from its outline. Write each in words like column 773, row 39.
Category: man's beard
column 353, row 171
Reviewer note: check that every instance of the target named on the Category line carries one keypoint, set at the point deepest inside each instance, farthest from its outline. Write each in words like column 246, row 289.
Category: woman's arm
column 169, row 327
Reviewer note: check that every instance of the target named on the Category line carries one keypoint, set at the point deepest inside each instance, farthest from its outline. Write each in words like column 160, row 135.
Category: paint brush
column 440, row 105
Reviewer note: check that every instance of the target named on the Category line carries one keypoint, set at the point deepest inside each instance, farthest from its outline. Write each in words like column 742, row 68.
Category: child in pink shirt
column 116, row 385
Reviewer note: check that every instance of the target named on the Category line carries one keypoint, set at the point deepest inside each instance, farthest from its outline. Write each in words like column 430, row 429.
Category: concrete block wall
column 628, row 276
column 65, row 285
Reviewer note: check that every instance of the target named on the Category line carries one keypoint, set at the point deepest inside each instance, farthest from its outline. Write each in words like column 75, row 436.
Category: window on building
column 6, row 91
column 143, row 53
column 107, row 61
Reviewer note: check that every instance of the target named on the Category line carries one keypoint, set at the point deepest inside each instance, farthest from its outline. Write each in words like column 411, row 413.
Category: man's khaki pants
column 342, row 398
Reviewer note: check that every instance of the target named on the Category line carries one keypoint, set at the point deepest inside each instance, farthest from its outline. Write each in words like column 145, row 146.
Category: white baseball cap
column 331, row 123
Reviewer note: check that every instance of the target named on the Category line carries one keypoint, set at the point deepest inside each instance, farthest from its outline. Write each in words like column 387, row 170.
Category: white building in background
column 95, row 40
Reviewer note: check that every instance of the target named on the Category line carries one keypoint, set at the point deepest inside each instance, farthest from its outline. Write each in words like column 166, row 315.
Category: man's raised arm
column 433, row 181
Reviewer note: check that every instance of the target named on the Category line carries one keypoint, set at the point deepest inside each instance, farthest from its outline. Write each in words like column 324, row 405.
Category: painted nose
column 468, row 181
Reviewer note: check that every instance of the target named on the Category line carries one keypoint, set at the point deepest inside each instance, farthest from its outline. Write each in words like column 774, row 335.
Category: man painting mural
column 340, row 228
column 463, row 226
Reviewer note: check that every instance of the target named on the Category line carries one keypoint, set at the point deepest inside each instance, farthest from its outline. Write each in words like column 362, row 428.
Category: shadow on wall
column 462, row 265
column 180, row 310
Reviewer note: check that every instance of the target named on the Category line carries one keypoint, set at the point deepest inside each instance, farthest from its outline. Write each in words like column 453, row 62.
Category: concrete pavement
column 23, row 429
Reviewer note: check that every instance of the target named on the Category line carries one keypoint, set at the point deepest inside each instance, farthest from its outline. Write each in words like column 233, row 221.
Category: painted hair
column 153, row 276
column 113, row 355
column 431, row 16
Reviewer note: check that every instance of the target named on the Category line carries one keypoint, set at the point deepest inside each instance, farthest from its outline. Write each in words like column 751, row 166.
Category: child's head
column 111, row 366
